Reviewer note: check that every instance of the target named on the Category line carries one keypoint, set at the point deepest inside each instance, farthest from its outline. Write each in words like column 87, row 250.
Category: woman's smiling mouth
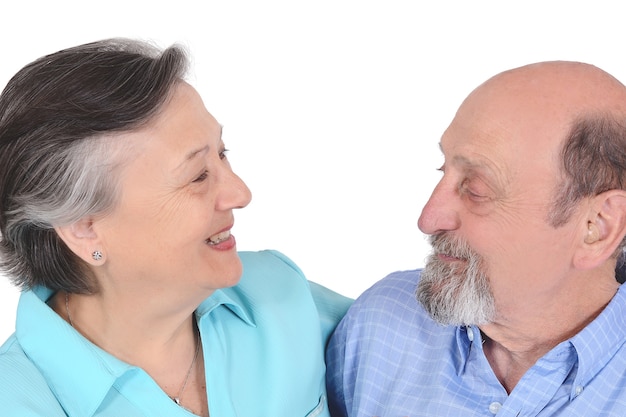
column 219, row 238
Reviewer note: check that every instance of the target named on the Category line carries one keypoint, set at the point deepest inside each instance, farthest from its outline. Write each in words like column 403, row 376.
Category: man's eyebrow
column 465, row 161
column 470, row 163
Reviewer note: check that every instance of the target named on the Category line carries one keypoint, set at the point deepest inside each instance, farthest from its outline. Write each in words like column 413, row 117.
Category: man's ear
column 604, row 231
column 83, row 240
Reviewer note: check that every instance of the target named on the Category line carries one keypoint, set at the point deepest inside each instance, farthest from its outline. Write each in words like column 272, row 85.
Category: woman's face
column 171, row 226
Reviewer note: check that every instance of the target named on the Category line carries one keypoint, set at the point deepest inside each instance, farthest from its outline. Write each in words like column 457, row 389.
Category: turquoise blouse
column 263, row 344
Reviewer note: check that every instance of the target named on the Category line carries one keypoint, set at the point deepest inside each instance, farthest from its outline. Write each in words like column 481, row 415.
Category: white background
column 332, row 109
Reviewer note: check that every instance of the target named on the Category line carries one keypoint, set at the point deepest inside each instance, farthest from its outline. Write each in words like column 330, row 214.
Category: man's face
column 493, row 248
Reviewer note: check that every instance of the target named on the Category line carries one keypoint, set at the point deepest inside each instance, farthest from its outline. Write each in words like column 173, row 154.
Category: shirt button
column 494, row 407
column 579, row 390
column 470, row 334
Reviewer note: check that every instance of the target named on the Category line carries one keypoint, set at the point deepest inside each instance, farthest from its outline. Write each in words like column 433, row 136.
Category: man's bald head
column 573, row 108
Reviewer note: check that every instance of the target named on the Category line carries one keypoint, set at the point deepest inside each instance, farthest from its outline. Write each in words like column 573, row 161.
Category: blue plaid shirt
column 387, row 358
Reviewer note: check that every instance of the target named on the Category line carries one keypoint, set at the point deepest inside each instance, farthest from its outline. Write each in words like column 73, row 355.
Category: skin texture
column 177, row 191
column 500, row 175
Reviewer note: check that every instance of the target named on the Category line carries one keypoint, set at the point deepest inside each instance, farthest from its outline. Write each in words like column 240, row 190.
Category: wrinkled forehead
column 511, row 130
column 508, row 133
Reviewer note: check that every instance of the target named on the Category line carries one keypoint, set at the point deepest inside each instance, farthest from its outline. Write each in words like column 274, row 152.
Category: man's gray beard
column 457, row 292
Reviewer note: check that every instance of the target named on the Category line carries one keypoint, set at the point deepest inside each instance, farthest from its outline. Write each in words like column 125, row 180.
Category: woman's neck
column 167, row 347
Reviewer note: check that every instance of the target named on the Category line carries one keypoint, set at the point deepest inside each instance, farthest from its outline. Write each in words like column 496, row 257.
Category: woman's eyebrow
column 192, row 155
column 196, row 152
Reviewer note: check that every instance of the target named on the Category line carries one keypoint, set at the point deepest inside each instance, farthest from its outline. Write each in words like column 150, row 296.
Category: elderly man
column 518, row 310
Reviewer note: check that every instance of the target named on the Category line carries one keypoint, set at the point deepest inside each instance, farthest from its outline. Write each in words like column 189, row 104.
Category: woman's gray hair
column 60, row 117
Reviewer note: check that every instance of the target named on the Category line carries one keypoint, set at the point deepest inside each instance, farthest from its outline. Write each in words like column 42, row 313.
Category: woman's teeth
column 218, row 238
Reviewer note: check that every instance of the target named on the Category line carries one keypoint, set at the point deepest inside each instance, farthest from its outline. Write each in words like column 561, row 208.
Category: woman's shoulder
column 23, row 389
column 268, row 270
column 15, row 366
column 271, row 277
column 270, row 283
column 272, row 271
column 387, row 303
column 269, row 261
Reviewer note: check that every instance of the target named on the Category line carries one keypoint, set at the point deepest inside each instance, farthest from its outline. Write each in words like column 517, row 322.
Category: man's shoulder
column 23, row 389
column 397, row 288
column 387, row 307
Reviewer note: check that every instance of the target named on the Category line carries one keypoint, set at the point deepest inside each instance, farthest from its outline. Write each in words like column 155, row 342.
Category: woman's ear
column 605, row 229
column 83, row 240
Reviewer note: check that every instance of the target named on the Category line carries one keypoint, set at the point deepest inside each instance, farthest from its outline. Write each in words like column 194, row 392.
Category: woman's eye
column 202, row 177
column 223, row 154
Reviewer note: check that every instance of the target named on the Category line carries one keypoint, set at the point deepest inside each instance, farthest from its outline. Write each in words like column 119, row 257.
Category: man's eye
column 476, row 197
column 223, row 154
column 202, row 177
column 471, row 194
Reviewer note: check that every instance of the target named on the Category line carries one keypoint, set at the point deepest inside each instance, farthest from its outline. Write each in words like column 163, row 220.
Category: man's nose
column 440, row 213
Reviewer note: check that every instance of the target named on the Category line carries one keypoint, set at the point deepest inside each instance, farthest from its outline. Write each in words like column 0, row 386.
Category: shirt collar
column 597, row 343
column 594, row 346
column 79, row 373
column 231, row 298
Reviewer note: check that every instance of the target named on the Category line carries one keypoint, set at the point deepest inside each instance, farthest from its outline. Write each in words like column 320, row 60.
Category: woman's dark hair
column 59, row 117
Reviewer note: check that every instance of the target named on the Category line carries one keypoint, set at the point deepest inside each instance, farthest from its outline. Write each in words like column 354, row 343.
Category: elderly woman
column 115, row 218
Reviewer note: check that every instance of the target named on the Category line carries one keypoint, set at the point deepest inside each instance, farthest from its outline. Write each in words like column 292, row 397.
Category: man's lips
column 448, row 258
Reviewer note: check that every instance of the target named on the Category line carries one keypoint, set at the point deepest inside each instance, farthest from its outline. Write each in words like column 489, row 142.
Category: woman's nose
column 234, row 194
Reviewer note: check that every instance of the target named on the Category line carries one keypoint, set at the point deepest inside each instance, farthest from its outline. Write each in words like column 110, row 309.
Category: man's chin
column 451, row 298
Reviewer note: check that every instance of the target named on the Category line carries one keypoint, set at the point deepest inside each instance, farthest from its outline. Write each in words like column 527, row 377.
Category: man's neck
column 513, row 346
